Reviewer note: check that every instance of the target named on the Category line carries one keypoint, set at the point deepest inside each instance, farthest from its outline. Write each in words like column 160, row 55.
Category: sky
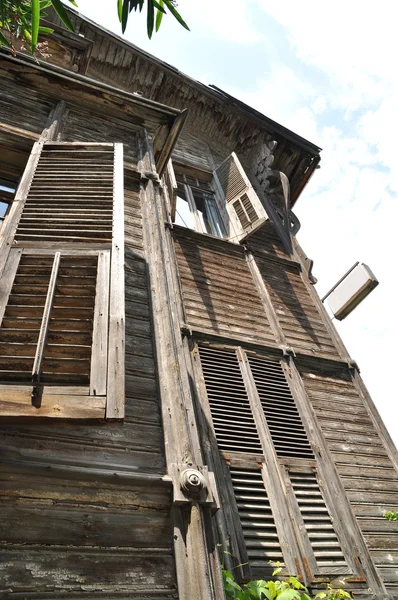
column 328, row 72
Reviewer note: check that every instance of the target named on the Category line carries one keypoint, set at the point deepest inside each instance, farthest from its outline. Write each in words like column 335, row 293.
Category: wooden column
column 197, row 563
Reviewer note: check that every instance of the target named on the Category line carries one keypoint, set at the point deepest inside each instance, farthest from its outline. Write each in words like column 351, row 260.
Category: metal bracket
column 194, row 484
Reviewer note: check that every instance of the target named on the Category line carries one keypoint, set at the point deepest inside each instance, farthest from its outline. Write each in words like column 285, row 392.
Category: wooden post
column 197, row 563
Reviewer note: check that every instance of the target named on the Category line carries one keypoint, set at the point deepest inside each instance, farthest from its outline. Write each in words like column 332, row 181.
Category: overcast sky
column 328, row 72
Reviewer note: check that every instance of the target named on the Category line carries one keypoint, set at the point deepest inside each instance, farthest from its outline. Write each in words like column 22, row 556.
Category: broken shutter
column 242, row 203
column 61, row 304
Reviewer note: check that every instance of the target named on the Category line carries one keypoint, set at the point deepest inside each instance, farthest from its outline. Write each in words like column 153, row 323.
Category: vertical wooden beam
column 116, row 342
column 197, row 563
column 99, row 356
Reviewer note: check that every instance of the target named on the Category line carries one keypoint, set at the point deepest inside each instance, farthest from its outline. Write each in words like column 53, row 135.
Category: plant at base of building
column 259, row 589
column 289, row 588
column 391, row 515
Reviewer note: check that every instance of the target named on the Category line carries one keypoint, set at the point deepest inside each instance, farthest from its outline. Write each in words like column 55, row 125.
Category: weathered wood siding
column 86, row 126
column 218, row 289
column 299, row 318
column 88, row 532
column 362, row 461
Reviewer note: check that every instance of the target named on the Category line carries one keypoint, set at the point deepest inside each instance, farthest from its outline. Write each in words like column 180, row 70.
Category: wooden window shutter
column 284, row 422
column 321, row 546
column 62, row 286
column 238, row 440
column 243, row 206
column 328, row 555
column 172, row 187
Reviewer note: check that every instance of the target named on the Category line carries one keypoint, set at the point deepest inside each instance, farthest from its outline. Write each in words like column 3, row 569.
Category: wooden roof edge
column 211, row 91
column 47, row 67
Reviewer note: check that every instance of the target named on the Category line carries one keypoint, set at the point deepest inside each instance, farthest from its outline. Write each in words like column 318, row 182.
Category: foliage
column 125, row 7
column 20, row 19
column 332, row 594
column 284, row 589
column 391, row 516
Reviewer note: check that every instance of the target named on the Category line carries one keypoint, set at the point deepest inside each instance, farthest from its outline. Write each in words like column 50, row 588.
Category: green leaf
column 120, row 10
column 3, row 40
column 296, row 583
column 289, row 595
column 176, row 14
column 150, row 18
column 276, row 571
column 320, row 595
column 125, row 15
column 35, row 23
column 63, row 15
column 46, row 30
column 159, row 15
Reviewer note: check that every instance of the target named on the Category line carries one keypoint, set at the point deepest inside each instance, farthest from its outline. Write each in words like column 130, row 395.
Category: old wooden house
column 169, row 379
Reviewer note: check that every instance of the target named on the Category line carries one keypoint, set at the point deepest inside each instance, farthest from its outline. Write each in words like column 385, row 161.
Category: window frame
column 216, row 220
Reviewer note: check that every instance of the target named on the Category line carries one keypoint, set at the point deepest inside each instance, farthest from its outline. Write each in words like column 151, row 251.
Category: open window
column 223, row 204
column 62, row 286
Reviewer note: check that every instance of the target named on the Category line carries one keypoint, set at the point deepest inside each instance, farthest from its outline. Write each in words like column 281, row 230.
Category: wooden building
column 169, row 379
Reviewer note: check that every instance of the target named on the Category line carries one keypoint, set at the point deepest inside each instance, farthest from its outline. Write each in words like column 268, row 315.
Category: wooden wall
column 74, row 519
column 362, row 461
column 221, row 298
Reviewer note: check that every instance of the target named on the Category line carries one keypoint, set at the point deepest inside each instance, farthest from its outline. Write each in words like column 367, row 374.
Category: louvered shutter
column 317, row 521
column 238, row 440
column 172, row 187
column 321, row 547
column 60, row 286
column 243, row 206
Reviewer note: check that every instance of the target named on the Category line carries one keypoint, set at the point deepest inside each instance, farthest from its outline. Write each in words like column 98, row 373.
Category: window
column 279, row 509
column 196, row 208
column 7, row 191
column 226, row 206
column 61, row 321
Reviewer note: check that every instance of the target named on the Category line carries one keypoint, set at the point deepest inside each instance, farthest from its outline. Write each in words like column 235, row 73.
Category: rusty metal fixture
column 192, row 481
